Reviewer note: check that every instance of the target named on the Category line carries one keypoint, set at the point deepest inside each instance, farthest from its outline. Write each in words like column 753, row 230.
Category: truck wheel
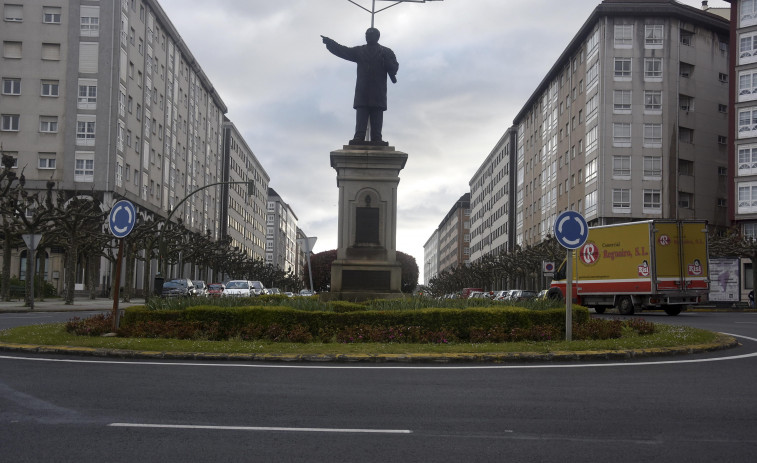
column 672, row 311
column 554, row 294
column 599, row 310
column 625, row 306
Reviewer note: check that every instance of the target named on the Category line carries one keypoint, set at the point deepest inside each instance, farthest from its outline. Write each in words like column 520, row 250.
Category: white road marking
column 391, row 367
column 259, row 428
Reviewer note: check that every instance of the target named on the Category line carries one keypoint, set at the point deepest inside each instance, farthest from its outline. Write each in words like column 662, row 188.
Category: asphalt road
column 692, row 408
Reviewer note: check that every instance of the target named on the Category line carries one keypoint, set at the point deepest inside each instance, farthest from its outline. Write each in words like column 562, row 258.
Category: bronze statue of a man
column 374, row 63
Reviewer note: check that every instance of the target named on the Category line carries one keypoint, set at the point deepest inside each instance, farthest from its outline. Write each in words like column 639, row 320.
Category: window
column 685, row 167
column 747, row 48
column 621, row 134
column 89, row 21
column 592, row 76
column 85, row 130
column 51, row 51
column 621, row 200
column 622, row 68
column 51, row 14
column 722, row 140
column 621, row 100
column 722, row 108
column 88, row 62
column 747, row 85
column 9, row 122
column 652, row 167
column 653, row 135
column 747, row 122
column 50, row 88
column 722, row 171
column 48, row 124
column 11, row 50
column 14, row 13
column 11, row 86
column 686, row 70
column 591, row 203
column 686, row 37
column 652, row 69
column 591, row 170
column 46, row 161
column 87, row 94
column 749, row 231
column 748, row 12
column 591, row 140
column 723, row 77
column 685, row 135
column 652, row 199
column 84, row 166
column 722, row 202
column 652, row 100
column 685, row 200
column 747, row 160
column 621, row 167
column 119, row 172
column 653, row 36
column 623, row 36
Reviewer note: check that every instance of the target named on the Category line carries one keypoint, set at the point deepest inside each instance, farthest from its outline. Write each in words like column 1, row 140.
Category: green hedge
column 321, row 324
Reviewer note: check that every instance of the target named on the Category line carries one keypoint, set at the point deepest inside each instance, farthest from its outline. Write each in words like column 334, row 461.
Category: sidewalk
column 58, row 305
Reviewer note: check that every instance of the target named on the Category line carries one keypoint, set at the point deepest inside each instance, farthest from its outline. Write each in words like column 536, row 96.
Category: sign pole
column 569, row 297
column 117, row 284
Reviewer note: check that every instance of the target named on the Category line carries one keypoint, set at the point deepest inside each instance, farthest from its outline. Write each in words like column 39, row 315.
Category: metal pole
column 117, row 284
column 569, row 297
column 373, row 13
column 310, row 271
column 32, row 255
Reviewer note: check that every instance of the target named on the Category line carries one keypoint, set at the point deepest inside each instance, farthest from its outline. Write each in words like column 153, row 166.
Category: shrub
column 598, row 329
column 95, row 325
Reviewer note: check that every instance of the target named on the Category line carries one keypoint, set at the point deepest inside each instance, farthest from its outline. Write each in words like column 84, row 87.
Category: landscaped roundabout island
column 409, row 329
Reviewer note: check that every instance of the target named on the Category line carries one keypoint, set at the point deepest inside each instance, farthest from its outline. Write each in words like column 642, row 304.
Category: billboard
column 724, row 280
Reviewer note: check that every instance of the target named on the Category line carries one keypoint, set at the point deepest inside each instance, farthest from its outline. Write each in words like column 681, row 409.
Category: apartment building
column 244, row 195
column 281, row 233
column 431, row 257
column 492, row 200
column 630, row 123
column 454, row 236
column 105, row 98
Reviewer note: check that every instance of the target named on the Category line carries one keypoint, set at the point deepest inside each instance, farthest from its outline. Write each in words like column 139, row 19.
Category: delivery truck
column 660, row 264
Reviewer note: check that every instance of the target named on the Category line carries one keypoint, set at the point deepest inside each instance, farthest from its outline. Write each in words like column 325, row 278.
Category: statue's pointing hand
column 326, row 40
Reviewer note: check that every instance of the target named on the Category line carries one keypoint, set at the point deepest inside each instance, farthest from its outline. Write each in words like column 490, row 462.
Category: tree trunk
column 70, row 276
column 129, row 279
column 29, row 276
column 6, row 283
column 92, row 277
column 41, row 271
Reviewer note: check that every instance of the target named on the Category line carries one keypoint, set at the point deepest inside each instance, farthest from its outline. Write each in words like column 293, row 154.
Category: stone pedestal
column 366, row 263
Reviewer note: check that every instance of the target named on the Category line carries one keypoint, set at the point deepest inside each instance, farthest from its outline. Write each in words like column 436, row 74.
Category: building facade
column 431, row 257
column 104, row 97
column 630, row 123
column 243, row 204
column 492, row 201
column 454, row 236
column 281, row 233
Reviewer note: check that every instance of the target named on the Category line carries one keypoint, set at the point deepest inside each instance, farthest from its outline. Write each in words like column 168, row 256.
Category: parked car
column 306, row 292
column 288, row 294
column 521, row 295
column 216, row 289
column 201, row 289
column 273, row 291
column 180, row 287
column 499, row 295
column 243, row 288
column 542, row 295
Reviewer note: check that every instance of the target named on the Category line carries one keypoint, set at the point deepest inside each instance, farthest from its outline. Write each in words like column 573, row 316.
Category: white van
column 245, row 288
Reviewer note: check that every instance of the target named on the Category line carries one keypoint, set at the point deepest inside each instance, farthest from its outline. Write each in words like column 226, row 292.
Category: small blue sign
column 571, row 230
column 122, row 218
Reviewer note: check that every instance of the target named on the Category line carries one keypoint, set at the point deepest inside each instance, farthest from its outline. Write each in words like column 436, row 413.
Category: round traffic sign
column 122, row 218
column 571, row 229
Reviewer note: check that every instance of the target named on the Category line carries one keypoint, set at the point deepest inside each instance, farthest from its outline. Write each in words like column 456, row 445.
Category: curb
column 724, row 342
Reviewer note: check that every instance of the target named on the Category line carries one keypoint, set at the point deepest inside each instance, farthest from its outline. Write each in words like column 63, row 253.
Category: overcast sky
column 466, row 69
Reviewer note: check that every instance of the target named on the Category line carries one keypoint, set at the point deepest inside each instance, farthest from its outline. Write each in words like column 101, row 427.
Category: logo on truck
column 589, row 253
column 695, row 269
column 644, row 269
column 664, row 240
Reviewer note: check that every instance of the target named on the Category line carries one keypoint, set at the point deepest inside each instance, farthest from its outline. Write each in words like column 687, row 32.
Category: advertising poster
column 724, row 280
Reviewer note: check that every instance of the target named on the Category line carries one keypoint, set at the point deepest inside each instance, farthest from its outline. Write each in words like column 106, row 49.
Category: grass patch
column 55, row 335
